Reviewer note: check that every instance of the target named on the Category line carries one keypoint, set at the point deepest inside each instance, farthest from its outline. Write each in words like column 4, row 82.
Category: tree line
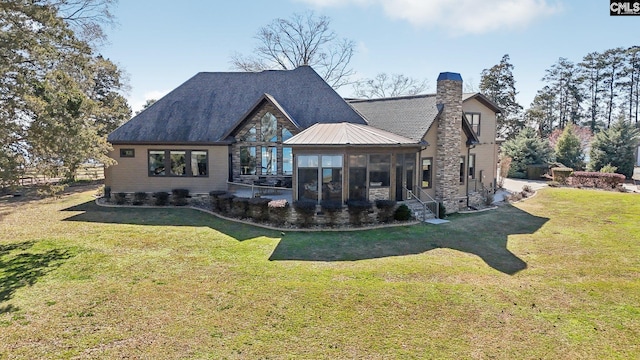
column 59, row 98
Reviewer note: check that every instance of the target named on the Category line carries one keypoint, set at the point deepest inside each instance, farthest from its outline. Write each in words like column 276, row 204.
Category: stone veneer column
column 449, row 99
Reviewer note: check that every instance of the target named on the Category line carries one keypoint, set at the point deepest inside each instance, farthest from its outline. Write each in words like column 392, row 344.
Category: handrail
column 259, row 189
column 431, row 205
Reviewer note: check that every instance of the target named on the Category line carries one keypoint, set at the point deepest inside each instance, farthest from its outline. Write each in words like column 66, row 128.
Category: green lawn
column 556, row 276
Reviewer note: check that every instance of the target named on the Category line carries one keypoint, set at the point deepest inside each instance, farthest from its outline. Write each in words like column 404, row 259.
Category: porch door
column 405, row 172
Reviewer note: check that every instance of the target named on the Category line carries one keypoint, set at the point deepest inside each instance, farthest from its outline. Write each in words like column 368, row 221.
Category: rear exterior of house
column 458, row 132
column 291, row 129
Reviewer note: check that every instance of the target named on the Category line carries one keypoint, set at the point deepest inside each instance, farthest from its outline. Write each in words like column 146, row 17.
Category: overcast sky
column 160, row 43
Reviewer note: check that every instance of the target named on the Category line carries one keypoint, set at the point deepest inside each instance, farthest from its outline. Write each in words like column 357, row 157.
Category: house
column 290, row 128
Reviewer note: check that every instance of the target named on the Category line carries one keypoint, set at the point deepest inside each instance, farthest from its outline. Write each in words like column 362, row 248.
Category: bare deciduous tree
column 86, row 18
column 384, row 85
column 303, row 39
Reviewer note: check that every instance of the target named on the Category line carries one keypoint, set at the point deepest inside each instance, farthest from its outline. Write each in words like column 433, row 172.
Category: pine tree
column 527, row 148
column 615, row 146
column 565, row 83
column 569, row 149
column 499, row 85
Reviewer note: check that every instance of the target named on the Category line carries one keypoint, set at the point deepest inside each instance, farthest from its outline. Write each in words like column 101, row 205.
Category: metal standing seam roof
column 347, row 134
column 408, row 116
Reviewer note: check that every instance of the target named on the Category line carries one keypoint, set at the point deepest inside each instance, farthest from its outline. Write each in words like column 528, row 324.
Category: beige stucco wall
column 131, row 174
column 487, row 151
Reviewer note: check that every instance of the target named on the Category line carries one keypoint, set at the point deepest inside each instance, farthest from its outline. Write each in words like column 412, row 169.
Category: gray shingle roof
column 408, row 116
column 207, row 106
column 347, row 134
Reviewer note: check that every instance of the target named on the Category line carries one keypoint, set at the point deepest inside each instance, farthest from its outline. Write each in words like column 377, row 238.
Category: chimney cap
column 449, row 76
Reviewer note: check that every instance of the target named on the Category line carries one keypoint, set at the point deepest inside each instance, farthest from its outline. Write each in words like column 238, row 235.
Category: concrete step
column 418, row 211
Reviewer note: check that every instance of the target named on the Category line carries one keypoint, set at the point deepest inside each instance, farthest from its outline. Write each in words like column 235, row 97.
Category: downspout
column 467, row 173
column 469, row 147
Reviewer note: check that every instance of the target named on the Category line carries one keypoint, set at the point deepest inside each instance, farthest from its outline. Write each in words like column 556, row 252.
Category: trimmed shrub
column 561, row 174
column 609, row 169
column 386, row 210
column 331, row 208
column 402, row 213
column 121, row 198
column 162, row 198
column 535, row 171
column 527, row 188
column 225, row 202
column 305, row 209
column 357, row 210
column 215, row 202
column 139, row 198
column 278, row 211
column 259, row 208
column 597, row 179
column 107, row 193
column 517, row 175
column 239, row 207
column 180, row 196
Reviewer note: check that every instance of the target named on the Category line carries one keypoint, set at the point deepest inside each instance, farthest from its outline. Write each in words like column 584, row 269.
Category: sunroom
column 346, row 161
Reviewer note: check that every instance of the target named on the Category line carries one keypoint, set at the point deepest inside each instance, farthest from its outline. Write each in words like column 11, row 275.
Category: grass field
column 557, row 276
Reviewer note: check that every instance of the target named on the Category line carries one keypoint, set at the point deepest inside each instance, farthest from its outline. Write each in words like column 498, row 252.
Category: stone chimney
column 449, row 102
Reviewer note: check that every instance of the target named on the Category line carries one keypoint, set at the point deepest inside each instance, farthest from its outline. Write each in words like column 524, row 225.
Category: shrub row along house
column 290, row 128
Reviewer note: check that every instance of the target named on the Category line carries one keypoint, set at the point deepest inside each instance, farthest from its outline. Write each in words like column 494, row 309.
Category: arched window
column 269, row 125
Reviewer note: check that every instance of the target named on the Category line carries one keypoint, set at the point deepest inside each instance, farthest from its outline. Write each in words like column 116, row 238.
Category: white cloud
column 138, row 102
column 459, row 17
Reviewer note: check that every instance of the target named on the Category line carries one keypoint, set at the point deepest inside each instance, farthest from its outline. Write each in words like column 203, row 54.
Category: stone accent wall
column 378, row 194
column 447, row 175
column 255, row 121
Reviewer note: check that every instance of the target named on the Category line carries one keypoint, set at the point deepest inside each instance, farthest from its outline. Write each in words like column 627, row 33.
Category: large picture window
column 269, row 160
column 156, row 163
column 287, row 161
column 248, row 160
column 269, row 126
column 427, row 172
column 199, row 163
column 178, row 163
column 261, row 149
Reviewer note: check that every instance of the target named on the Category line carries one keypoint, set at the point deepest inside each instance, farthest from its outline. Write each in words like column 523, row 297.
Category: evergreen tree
column 541, row 115
column 564, row 83
column 569, row 149
column 592, row 75
column 615, row 146
column 499, row 85
column 51, row 81
column 527, row 148
column 614, row 65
